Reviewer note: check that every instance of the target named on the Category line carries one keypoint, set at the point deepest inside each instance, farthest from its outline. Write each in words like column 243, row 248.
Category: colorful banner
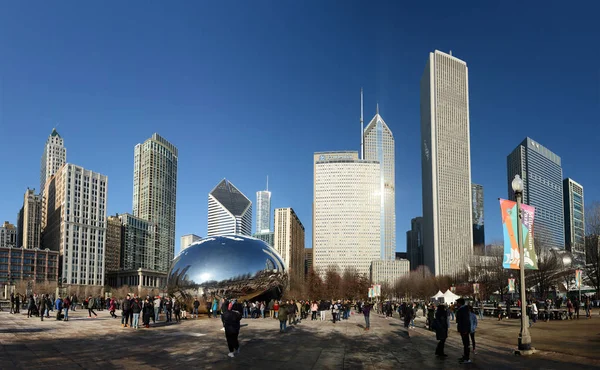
column 511, row 285
column 453, row 289
column 476, row 288
column 377, row 290
column 508, row 209
column 371, row 293
column 578, row 279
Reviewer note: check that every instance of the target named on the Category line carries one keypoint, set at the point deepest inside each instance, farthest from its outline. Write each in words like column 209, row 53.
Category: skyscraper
column 574, row 220
column 8, row 235
column 55, row 155
column 446, row 164
column 155, row 192
column 414, row 243
column 478, row 226
column 32, row 219
column 140, row 244
column 541, row 172
column 263, row 210
column 379, row 146
column 112, row 255
column 289, row 242
column 229, row 211
column 346, row 211
column 74, row 223
column 188, row 240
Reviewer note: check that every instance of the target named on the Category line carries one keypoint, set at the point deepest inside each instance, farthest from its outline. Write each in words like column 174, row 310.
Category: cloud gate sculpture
column 232, row 266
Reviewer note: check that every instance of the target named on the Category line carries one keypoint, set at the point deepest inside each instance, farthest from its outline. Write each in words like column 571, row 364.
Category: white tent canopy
column 438, row 295
column 450, row 297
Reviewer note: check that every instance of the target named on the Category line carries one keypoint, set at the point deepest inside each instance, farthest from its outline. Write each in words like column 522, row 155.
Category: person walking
column 587, row 306
column 177, row 311
column 30, row 306
column 463, row 325
column 408, row 316
column 196, row 307
column 66, row 307
column 91, row 308
column 534, row 315
column 283, row 317
column 126, row 308
column 17, row 303
column 473, row 321
column 112, row 307
column 314, row 308
column 231, row 322
column 440, row 325
column 59, row 306
column 12, row 303
column 367, row 312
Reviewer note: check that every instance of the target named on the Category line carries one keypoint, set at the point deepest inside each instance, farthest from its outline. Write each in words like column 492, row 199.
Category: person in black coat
column 148, row 310
column 231, row 321
column 440, row 325
column 408, row 316
column 463, row 324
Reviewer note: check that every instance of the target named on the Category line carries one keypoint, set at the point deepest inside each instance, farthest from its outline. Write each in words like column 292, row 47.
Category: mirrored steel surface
column 227, row 267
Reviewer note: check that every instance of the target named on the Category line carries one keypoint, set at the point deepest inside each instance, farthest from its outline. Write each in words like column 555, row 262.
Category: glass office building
column 541, row 172
column 478, row 226
column 574, row 220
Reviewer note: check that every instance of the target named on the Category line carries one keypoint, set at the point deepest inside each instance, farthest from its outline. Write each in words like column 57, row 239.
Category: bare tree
column 333, row 283
column 550, row 268
column 592, row 245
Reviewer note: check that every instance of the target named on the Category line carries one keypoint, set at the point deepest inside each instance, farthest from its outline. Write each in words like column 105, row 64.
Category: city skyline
column 102, row 121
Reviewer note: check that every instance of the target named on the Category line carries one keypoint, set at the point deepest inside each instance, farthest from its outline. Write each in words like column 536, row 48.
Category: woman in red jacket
column 112, row 307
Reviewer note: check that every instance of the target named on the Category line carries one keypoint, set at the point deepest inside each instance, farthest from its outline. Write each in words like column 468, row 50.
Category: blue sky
column 250, row 89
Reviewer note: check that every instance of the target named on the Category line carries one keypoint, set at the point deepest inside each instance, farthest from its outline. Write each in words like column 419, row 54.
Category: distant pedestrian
column 66, row 307
column 283, row 317
column 534, row 313
column 91, row 308
column 473, row 321
column 367, row 312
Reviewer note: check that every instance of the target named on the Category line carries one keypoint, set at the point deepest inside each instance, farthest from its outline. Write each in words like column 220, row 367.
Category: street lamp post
column 524, row 336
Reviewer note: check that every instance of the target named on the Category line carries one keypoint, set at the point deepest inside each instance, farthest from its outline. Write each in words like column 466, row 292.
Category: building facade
column 478, row 224
column 53, row 158
column 308, row 260
column 188, row 240
column 289, row 242
column 267, row 237
column 155, row 192
column 388, row 271
column 346, row 212
column 32, row 219
column 112, row 258
column 139, row 278
column 28, row 264
column 446, row 164
column 140, row 245
column 74, row 223
column 574, row 220
column 379, row 146
column 263, row 211
column 8, row 235
column 541, row 172
column 414, row 243
column 229, row 211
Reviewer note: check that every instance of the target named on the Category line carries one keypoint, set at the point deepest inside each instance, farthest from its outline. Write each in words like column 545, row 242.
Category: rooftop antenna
column 450, row 52
column 267, row 182
column 362, row 128
column 377, row 108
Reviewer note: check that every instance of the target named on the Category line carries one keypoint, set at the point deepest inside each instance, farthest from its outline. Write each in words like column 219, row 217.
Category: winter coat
column 463, row 319
column 231, row 321
column 473, row 320
column 441, row 324
column 136, row 307
column 283, row 313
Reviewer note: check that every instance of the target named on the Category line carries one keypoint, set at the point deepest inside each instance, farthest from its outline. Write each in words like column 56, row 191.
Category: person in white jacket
column 534, row 314
column 473, row 318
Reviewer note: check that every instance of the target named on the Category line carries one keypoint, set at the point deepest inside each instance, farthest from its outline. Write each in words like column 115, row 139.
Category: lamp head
column 517, row 184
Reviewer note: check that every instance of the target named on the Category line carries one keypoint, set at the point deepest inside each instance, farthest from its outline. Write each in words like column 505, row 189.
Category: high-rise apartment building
column 140, row 246
column 289, row 242
column 155, row 192
column 54, row 157
column 541, row 172
column 414, row 243
column 263, row 210
column 8, row 235
column 32, row 219
column 74, row 223
column 446, row 164
column 229, row 211
column 478, row 226
column 112, row 255
column 267, row 237
column 346, row 211
column 574, row 220
column 379, row 146
column 188, row 240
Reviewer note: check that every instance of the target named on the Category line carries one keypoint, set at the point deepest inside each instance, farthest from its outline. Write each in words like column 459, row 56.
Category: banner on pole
column 578, row 279
column 508, row 209
column 377, row 290
column 453, row 289
column 511, row 285
column 476, row 288
column 371, row 292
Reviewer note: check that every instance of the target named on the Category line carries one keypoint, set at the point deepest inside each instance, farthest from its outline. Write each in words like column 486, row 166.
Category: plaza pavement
column 102, row 343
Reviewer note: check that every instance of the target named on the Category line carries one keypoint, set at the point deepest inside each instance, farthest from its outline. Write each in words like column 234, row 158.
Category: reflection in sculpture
column 231, row 266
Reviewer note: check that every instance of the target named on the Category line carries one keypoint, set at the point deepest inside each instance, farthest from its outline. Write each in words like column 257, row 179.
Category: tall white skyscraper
column 379, row 146
column 446, row 164
column 263, row 210
column 229, row 211
column 346, row 212
column 55, row 155
column 74, row 223
column 155, row 192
